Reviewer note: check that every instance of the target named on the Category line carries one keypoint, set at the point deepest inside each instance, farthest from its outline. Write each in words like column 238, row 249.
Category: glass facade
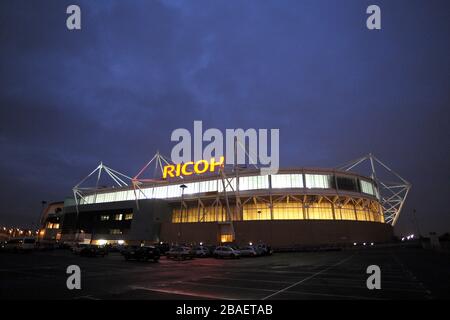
column 246, row 183
column 252, row 211
column 367, row 187
column 287, row 181
column 288, row 209
column 199, row 214
column 345, row 212
column 317, row 181
column 253, row 183
column 319, row 211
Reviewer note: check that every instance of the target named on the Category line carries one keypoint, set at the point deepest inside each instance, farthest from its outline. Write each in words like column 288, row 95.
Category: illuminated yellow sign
column 189, row 168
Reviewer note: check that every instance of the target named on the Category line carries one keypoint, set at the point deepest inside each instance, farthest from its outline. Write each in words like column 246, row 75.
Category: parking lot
column 406, row 273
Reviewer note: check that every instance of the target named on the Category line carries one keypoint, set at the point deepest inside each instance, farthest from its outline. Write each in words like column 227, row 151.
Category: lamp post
column 183, row 186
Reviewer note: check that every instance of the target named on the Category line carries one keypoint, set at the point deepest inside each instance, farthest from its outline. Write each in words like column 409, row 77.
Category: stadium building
column 293, row 208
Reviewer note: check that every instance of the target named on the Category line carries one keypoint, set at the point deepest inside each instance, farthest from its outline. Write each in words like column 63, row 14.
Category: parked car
column 226, row 252
column 264, row 249
column 93, row 251
column 249, row 251
column 201, row 252
column 20, row 245
column 76, row 249
column 163, row 247
column 180, row 253
column 141, row 253
column 114, row 247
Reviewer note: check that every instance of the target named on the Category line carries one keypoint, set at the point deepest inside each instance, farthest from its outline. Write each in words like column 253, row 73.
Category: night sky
column 137, row 70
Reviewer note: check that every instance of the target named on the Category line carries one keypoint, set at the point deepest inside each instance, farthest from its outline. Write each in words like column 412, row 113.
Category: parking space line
column 180, row 292
column 328, row 284
column 307, row 278
column 245, row 279
column 292, row 292
column 226, row 287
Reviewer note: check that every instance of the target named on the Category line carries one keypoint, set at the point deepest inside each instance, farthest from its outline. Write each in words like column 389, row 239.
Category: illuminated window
column 118, row 217
column 345, row 212
column 362, row 213
column 121, row 195
column 104, row 217
column 317, row 181
column 128, row 216
column 287, row 181
column 287, row 211
column 115, row 231
column 258, row 211
column 254, row 182
column 185, row 215
column 207, row 186
column 229, row 186
column 320, row 211
column 160, row 192
column 212, row 213
column 367, row 187
column 199, row 214
column 176, row 215
column 191, row 215
column 226, row 238
column 174, row 191
column 51, row 225
column 375, row 212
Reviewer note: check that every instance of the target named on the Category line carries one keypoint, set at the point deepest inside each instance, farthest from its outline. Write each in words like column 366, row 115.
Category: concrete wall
column 145, row 226
column 283, row 233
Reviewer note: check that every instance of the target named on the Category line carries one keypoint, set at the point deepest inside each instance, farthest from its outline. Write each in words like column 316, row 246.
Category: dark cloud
column 139, row 69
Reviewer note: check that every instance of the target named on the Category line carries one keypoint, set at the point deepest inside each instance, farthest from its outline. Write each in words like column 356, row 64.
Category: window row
column 116, row 217
column 278, row 181
column 280, row 211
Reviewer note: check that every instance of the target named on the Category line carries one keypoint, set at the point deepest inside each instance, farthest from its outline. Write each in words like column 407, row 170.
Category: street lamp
column 183, row 186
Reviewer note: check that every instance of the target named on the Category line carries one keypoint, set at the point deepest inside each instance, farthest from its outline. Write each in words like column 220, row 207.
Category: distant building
column 51, row 223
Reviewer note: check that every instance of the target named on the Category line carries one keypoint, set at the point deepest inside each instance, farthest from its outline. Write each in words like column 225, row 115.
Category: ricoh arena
column 297, row 207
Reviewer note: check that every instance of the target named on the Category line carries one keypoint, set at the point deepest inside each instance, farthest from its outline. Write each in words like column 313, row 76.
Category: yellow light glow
column 188, row 168
column 226, row 238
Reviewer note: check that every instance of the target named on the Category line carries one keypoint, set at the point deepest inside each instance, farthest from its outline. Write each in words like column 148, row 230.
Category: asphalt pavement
column 406, row 273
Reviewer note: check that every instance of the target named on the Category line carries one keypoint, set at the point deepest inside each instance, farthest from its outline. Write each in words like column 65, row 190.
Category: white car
column 180, row 253
column 20, row 244
column 248, row 251
column 226, row 252
column 201, row 251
